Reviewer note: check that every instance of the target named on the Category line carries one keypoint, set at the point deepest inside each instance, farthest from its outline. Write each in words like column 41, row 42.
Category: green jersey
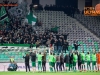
column 75, row 58
column 83, row 56
column 88, row 57
column 39, row 57
column 51, row 57
column 54, row 59
column 93, row 57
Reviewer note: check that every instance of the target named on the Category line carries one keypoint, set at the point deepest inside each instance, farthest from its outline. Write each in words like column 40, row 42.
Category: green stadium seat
column 2, row 56
column 6, row 56
column 3, row 52
column 10, row 53
column 13, row 53
column 20, row 56
column 16, row 57
column 23, row 54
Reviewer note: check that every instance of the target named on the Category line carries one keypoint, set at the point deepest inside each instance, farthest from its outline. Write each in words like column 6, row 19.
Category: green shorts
column 88, row 62
column 39, row 63
column 51, row 64
column 67, row 65
column 70, row 65
column 83, row 62
column 93, row 62
column 74, row 63
column 33, row 64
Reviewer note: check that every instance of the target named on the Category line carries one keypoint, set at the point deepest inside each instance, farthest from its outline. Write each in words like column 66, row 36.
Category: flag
column 19, row 11
column 31, row 18
column 3, row 15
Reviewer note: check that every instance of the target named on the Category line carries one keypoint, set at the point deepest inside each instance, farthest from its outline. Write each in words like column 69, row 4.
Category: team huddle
column 73, row 61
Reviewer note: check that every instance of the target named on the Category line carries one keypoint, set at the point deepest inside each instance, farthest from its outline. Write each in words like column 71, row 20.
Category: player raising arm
column 94, row 59
column 39, row 58
column 88, row 61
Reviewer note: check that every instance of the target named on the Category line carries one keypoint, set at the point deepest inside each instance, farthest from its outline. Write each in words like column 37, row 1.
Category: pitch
column 49, row 73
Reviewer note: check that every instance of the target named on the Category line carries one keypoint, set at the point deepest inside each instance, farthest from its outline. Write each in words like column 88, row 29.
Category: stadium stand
column 48, row 18
column 67, row 25
column 91, row 22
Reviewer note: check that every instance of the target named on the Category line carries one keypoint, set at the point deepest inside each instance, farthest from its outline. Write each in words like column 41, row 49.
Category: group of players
column 73, row 61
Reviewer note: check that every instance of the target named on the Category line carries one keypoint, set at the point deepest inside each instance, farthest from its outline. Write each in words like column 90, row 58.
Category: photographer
column 12, row 66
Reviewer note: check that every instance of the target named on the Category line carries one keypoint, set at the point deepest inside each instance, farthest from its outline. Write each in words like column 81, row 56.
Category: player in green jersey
column 54, row 61
column 75, row 59
column 39, row 58
column 88, row 61
column 66, row 60
column 83, row 61
column 71, row 61
column 51, row 57
column 94, row 59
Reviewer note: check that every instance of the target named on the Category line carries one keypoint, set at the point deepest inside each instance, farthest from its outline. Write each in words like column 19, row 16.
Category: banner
column 21, row 66
column 20, row 45
column 13, row 46
column 24, row 46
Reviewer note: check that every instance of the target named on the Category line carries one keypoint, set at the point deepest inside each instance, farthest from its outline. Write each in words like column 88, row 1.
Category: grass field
column 48, row 73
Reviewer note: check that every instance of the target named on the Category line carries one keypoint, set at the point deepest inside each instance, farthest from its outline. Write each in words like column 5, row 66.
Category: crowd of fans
column 16, row 33
column 25, row 34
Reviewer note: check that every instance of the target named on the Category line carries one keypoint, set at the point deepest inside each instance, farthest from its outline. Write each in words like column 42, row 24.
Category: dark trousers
column 27, row 66
column 65, row 48
column 57, row 66
column 79, row 65
column 59, row 49
column 61, row 66
column 10, row 69
column 44, row 65
column 70, row 65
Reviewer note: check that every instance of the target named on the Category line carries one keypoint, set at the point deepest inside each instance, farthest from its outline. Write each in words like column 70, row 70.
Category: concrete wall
column 81, row 4
column 9, row 0
column 94, row 2
column 48, row 2
column 29, row 1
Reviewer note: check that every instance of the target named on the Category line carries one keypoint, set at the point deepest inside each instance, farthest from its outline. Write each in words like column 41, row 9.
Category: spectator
column 12, row 66
column 55, row 29
column 15, row 66
column 76, row 46
column 40, row 23
column 59, row 45
column 55, row 45
column 48, row 42
column 65, row 46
